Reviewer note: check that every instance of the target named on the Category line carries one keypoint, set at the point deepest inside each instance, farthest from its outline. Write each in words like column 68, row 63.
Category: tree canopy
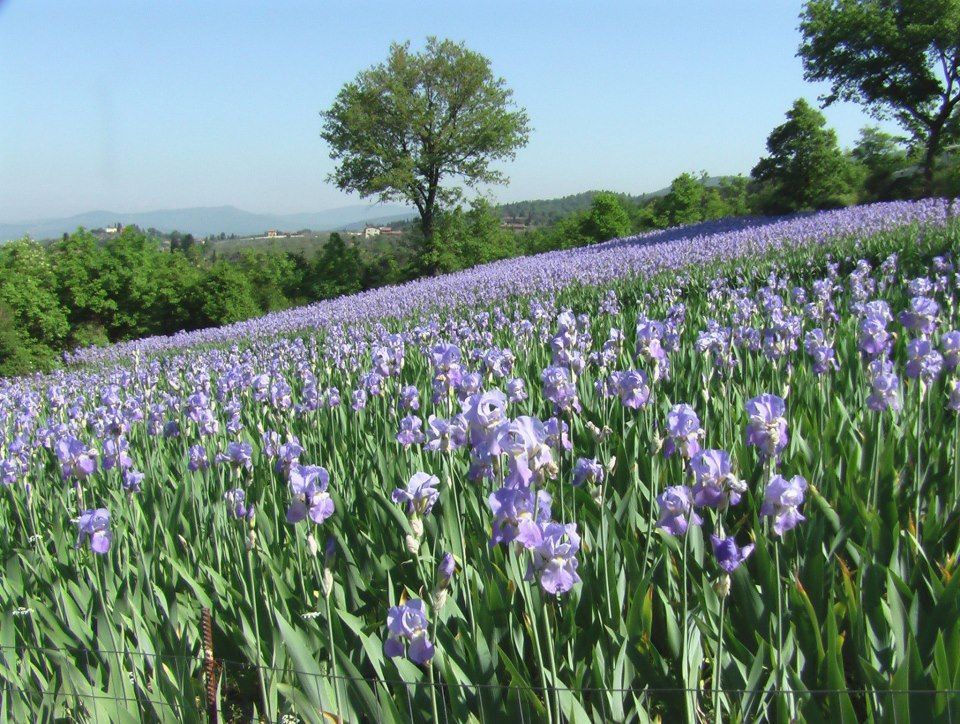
column 420, row 126
column 806, row 168
column 899, row 58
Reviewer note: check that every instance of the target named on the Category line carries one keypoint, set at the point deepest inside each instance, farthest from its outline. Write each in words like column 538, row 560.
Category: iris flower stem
column 463, row 562
column 875, row 494
column 563, row 498
column 652, row 492
column 528, row 601
column 718, row 664
column 141, row 557
column 956, row 460
column 781, row 683
column 333, row 661
column 15, row 510
column 256, row 632
column 433, row 691
column 919, row 472
column 551, row 645
column 101, row 592
column 690, row 696
column 303, row 585
column 605, row 550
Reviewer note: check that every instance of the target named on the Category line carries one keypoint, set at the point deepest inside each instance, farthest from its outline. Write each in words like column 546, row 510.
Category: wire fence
column 225, row 690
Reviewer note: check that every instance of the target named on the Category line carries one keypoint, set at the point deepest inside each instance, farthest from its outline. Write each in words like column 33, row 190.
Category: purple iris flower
column 115, row 454
column 76, row 459
column 729, row 555
column 408, row 623
column 410, row 398
column 555, row 557
column 525, row 443
column 358, row 399
column 874, row 340
column 559, row 389
column 445, row 357
column 886, row 392
column 676, row 510
column 878, row 309
column 587, row 470
column 485, row 410
column 518, row 514
column 198, row 459
column 132, row 480
column 288, row 454
column 715, row 484
column 767, row 426
column 633, row 386
column 10, row 471
column 271, row 443
column 683, row 432
column 439, row 436
column 557, row 434
column 649, row 347
column 410, row 433
column 308, row 483
column 824, row 357
column 921, row 316
column 420, row 494
column 516, row 390
column 921, row 286
column 446, row 569
column 94, row 526
column 923, row 361
column 238, row 454
column 782, row 500
column 236, row 503
column 953, row 401
column 950, row 344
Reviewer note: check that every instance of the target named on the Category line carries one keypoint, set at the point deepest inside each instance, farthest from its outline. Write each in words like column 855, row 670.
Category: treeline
column 546, row 212
column 81, row 290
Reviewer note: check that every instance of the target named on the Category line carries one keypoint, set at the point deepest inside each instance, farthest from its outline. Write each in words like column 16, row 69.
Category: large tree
column 420, row 126
column 899, row 58
column 806, row 168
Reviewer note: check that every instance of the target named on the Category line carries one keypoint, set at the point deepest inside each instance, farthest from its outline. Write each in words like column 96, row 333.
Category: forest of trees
column 81, row 290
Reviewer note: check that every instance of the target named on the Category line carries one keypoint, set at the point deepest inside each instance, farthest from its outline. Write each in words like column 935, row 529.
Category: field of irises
column 709, row 474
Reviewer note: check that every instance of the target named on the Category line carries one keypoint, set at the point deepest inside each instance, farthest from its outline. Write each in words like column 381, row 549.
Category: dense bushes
column 80, row 291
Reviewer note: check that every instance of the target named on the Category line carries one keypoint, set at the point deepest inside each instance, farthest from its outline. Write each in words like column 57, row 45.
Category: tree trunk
column 431, row 257
column 933, row 145
column 929, row 159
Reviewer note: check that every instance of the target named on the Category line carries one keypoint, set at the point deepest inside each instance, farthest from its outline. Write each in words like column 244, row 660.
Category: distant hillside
column 540, row 212
column 203, row 221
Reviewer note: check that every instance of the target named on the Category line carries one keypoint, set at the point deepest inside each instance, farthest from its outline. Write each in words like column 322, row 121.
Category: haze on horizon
column 134, row 106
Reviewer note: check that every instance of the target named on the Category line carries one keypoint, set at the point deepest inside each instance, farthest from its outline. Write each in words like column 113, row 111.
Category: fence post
column 209, row 664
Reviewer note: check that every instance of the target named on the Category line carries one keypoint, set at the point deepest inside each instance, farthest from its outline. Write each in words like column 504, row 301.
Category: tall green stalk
column 333, row 658
column 690, row 697
column 254, row 602
column 538, row 650
column 718, row 664
column 551, row 645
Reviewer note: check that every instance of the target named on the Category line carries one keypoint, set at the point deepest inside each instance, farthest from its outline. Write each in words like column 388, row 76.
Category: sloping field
column 708, row 473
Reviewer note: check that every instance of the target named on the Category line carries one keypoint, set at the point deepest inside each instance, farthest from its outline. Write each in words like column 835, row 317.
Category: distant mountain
column 203, row 221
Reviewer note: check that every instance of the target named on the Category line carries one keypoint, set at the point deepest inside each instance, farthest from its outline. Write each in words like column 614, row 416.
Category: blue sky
column 133, row 105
